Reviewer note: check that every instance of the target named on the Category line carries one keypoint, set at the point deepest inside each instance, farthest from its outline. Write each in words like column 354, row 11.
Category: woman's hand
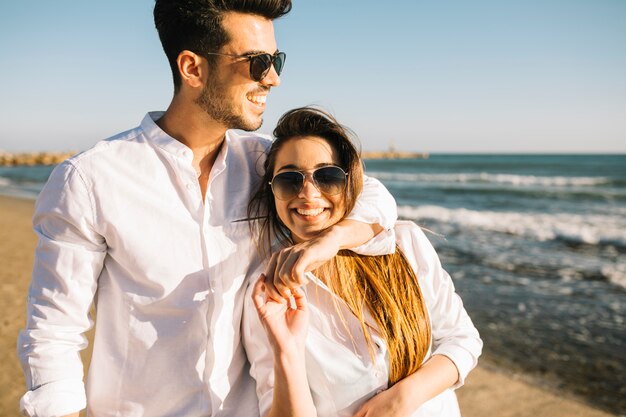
column 286, row 327
column 388, row 403
column 434, row 376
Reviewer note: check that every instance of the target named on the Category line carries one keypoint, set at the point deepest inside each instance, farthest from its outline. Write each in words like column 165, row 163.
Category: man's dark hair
column 196, row 25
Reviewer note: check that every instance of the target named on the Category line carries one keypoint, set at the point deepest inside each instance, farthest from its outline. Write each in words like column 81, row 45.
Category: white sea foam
column 616, row 273
column 4, row 182
column 589, row 229
column 483, row 177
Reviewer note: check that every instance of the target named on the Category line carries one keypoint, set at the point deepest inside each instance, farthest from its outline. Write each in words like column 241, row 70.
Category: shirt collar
column 158, row 137
column 219, row 165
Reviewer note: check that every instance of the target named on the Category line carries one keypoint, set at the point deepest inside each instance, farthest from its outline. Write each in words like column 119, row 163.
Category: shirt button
column 190, row 186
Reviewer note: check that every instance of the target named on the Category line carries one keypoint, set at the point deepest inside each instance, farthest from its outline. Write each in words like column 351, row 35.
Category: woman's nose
column 309, row 188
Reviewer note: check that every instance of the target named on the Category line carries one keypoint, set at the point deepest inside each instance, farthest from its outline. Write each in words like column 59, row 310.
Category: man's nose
column 272, row 79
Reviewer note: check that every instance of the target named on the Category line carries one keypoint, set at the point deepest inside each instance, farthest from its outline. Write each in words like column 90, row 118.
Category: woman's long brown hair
column 385, row 285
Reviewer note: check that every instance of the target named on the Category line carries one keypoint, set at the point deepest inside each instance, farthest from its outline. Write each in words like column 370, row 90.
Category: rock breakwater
column 34, row 158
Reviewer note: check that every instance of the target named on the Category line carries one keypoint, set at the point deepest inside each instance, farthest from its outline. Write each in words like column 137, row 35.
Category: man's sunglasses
column 330, row 180
column 260, row 64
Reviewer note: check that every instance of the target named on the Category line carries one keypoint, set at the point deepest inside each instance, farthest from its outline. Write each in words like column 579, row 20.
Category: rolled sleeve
column 68, row 261
column 57, row 398
column 376, row 206
column 463, row 359
column 382, row 244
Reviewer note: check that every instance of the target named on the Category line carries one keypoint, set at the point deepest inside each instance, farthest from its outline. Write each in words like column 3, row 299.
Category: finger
column 310, row 257
column 270, row 270
column 299, row 298
column 258, row 293
column 299, row 267
column 282, row 278
column 361, row 413
column 292, row 268
column 273, row 293
column 275, row 289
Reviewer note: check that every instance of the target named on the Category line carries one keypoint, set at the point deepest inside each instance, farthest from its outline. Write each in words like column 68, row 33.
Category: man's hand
column 287, row 268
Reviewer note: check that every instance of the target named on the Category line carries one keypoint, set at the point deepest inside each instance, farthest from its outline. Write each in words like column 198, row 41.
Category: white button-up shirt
column 340, row 370
column 124, row 224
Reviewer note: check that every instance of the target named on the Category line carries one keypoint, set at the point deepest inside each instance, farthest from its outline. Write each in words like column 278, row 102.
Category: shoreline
column 489, row 391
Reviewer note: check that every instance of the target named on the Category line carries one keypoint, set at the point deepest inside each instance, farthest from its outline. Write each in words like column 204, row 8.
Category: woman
column 379, row 335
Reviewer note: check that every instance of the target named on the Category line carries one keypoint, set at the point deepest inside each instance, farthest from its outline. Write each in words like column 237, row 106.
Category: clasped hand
column 287, row 268
column 286, row 324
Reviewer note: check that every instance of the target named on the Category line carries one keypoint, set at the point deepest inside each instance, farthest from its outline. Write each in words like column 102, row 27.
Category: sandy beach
column 488, row 392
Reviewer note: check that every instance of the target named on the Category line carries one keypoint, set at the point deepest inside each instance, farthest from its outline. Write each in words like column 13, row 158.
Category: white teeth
column 310, row 212
column 257, row 99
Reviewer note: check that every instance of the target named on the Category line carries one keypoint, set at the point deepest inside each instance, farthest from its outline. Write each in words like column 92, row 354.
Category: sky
column 438, row 76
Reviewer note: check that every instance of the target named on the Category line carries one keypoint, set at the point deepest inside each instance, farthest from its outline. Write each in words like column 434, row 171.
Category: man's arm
column 375, row 205
column 68, row 261
column 374, row 215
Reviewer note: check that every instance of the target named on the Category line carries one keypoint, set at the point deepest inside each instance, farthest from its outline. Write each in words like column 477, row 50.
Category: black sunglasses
column 330, row 180
column 260, row 64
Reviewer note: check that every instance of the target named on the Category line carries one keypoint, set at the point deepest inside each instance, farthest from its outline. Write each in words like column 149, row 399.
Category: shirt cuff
column 366, row 213
column 462, row 359
column 54, row 399
column 383, row 243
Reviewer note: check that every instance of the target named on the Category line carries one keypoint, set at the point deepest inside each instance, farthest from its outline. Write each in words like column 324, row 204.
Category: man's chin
column 251, row 125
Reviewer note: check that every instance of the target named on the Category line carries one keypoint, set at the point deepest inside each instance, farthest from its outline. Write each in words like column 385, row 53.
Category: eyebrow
column 257, row 52
column 292, row 167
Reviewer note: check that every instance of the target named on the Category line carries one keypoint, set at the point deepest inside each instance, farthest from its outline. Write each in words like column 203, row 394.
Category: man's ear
column 192, row 68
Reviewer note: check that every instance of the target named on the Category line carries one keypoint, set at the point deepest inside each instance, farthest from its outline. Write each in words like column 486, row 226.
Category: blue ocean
column 536, row 246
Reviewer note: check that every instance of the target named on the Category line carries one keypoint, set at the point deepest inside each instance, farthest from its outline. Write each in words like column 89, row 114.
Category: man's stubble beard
column 217, row 105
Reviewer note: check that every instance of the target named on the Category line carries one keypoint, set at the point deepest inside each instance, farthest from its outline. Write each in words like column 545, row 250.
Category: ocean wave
column 488, row 178
column 4, row 182
column 616, row 274
column 574, row 228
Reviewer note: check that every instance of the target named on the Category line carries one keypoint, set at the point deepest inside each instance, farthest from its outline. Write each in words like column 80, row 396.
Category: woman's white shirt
column 340, row 370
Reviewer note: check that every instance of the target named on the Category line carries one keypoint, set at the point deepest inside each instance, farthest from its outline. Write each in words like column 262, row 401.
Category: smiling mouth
column 258, row 100
column 310, row 212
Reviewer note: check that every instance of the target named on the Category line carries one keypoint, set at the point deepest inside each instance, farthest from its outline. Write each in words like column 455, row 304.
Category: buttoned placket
column 200, row 211
column 211, row 245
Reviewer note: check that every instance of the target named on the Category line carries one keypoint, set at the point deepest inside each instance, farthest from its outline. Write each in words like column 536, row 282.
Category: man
column 148, row 224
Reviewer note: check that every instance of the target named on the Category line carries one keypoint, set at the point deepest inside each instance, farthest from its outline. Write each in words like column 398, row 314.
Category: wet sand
column 488, row 391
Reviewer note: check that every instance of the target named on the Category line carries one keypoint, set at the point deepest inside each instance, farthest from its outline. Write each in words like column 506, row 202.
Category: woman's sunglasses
column 330, row 180
column 260, row 64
